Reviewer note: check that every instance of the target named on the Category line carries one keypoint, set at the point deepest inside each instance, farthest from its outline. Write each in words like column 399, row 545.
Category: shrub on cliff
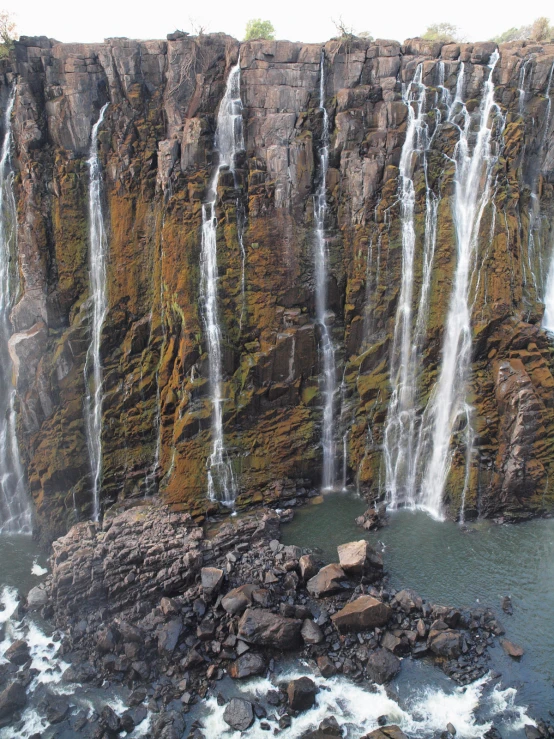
column 446, row 33
column 8, row 32
column 259, row 29
column 540, row 30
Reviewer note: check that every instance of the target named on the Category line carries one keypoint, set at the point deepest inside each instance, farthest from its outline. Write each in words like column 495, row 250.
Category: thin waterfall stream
column 228, row 141
column 448, row 402
column 98, row 253
column 321, row 272
column 15, row 506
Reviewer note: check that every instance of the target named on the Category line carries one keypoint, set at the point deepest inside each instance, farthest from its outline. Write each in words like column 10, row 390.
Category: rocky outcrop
column 156, row 148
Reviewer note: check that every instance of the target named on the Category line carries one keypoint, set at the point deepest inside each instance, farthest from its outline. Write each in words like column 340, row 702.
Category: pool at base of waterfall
column 474, row 565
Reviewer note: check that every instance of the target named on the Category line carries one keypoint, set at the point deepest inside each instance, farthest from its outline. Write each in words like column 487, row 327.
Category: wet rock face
column 156, row 148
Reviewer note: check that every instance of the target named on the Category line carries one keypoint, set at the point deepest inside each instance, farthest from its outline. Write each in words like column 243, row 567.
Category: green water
column 17, row 556
column 469, row 567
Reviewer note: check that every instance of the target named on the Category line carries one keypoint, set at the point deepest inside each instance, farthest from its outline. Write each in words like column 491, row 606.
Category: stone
column 57, row 709
column 366, row 612
column 212, row 579
column 451, row 728
column 511, row 649
column 359, row 558
column 382, row 666
column 247, row 665
column 325, row 666
column 329, row 728
column 168, row 636
column 408, row 601
column 328, row 581
column 311, row 632
column 307, row 566
column 238, row 599
column 37, row 598
column 507, row 606
column 445, row 643
column 18, row 652
column 13, row 698
column 264, row 628
column 301, row 694
column 239, row 714
column 386, row 732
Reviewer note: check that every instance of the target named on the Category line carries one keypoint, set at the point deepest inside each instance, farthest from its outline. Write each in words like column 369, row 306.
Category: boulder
column 329, row 728
column 366, row 612
column 325, row 666
column 37, row 598
column 238, row 599
column 301, row 694
column 382, row 666
column 168, row 636
column 239, row 714
column 308, row 567
column 386, row 732
column 511, row 649
column 311, row 633
column 408, row 601
column 445, row 643
column 12, row 699
column 57, row 709
column 18, row 653
column 359, row 558
column 211, row 578
column 328, row 581
column 247, row 665
column 264, row 628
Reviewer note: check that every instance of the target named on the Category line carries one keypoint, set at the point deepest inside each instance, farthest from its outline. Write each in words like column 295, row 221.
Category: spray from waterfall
column 98, row 253
column 548, row 319
column 228, row 141
column 15, row 507
column 448, row 404
column 321, row 270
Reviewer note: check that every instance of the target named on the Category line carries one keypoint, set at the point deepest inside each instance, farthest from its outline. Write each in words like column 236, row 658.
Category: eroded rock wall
column 156, row 148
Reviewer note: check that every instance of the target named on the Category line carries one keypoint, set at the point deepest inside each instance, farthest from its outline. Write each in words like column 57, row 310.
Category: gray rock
column 301, row 694
column 239, row 714
column 168, row 636
column 37, row 598
column 328, row 581
column 212, row 579
column 382, row 666
column 247, row 665
column 311, row 633
column 12, row 699
column 18, row 652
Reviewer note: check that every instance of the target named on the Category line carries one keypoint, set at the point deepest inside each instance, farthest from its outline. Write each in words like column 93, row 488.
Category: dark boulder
column 12, row 699
column 247, row 665
column 301, row 694
column 267, row 629
column 382, row 666
column 239, row 714
column 18, row 653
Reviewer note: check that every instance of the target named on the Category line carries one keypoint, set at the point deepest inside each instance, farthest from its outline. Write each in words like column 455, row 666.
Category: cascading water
column 548, row 319
column 400, row 427
column 98, row 253
column 15, row 508
column 327, row 349
column 448, row 400
column 228, row 141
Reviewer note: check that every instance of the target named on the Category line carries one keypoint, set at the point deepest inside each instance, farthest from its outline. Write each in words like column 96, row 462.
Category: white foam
column 37, row 570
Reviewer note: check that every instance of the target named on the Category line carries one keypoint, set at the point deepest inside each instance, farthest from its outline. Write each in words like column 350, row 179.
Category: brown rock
column 512, row 650
column 311, row 633
column 445, row 643
column 366, row 612
column 359, row 558
column 382, row 666
column 386, row 732
column 267, row 629
column 238, row 599
column 325, row 666
column 307, row 565
column 211, row 578
column 301, row 694
column 328, row 581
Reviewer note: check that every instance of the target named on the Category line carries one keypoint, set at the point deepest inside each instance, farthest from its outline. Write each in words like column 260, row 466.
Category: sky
column 296, row 20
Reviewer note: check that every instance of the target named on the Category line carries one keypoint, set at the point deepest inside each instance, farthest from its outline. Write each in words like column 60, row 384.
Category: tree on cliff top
column 447, row 33
column 8, row 32
column 540, row 30
column 259, row 29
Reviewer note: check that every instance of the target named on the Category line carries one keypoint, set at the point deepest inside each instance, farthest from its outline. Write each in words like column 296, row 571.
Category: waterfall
column 98, row 252
column 228, row 141
column 15, row 507
column 548, row 319
column 400, row 426
column 448, row 401
column 327, row 349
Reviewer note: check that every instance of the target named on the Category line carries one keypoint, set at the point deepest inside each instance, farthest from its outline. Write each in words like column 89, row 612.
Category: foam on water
column 37, row 570
column 427, row 710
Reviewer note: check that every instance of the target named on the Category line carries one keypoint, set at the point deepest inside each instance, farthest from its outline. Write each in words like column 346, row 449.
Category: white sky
column 297, row 20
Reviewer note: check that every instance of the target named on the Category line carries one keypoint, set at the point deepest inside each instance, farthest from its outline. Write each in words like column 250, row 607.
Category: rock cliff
column 156, row 148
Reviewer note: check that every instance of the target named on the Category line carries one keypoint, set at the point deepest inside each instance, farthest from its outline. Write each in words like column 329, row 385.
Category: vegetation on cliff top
column 540, row 30
column 259, row 29
column 8, row 32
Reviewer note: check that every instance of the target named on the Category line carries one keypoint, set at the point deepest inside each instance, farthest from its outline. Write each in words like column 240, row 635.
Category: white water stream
column 98, row 254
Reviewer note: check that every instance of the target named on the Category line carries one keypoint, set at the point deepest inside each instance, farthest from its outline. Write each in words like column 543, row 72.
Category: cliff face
column 156, row 149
